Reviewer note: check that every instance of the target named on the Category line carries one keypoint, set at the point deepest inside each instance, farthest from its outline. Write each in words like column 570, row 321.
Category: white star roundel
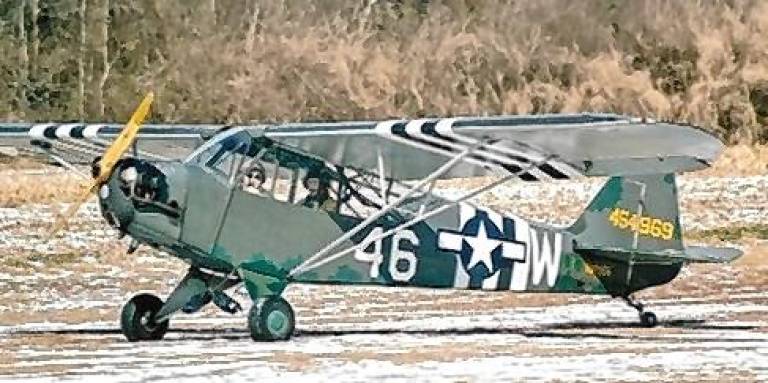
column 481, row 245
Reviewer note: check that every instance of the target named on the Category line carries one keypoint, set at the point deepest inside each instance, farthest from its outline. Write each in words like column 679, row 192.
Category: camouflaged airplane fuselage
column 199, row 211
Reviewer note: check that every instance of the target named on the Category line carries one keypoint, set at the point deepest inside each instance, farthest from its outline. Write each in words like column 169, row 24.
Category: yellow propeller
column 113, row 153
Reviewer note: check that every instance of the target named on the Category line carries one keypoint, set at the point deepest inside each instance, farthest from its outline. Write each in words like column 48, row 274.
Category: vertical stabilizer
column 637, row 213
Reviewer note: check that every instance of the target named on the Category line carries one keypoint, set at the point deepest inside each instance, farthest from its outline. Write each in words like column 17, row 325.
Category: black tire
column 137, row 319
column 271, row 320
column 649, row 319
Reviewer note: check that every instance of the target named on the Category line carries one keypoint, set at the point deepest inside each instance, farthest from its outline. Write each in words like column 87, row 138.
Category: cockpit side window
column 289, row 177
column 318, row 189
column 223, row 156
column 265, row 177
column 222, row 162
column 283, row 184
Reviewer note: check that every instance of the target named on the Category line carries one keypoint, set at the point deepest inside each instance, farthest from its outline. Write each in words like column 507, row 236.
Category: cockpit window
column 289, row 177
column 223, row 154
column 261, row 167
column 263, row 176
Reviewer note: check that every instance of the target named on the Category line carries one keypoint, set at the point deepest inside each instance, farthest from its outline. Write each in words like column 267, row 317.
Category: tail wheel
column 137, row 319
column 649, row 319
column 271, row 320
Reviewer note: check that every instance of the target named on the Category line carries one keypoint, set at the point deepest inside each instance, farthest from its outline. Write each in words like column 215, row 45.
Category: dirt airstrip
column 61, row 300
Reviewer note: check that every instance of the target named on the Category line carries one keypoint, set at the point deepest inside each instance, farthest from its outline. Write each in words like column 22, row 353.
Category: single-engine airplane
column 354, row 203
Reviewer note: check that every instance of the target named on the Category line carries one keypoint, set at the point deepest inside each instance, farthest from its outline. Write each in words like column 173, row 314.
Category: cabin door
column 206, row 205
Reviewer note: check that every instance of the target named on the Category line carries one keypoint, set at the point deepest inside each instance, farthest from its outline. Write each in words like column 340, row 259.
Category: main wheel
column 271, row 320
column 137, row 319
column 648, row 319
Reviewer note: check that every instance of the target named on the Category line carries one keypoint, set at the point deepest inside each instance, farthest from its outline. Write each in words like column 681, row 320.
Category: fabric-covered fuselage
column 261, row 238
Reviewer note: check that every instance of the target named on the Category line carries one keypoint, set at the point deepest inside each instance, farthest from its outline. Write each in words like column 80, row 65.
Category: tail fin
column 638, row 218
column 634, row 213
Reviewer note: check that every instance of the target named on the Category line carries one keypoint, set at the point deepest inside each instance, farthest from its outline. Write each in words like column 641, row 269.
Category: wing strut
column 312, row 264
column 382, row 174
column 384, row 210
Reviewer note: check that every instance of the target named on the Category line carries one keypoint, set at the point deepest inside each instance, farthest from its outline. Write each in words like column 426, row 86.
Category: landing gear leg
column 271, row 319
column 647, row 318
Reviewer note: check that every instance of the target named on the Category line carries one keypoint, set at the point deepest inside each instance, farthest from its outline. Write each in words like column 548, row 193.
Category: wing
column 537, row 147
column 80, row 143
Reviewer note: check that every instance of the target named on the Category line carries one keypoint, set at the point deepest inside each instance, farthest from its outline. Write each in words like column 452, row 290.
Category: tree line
column 283, row 60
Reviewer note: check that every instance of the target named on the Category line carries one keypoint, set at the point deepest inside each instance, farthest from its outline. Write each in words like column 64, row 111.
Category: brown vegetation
column 19, row 189
column 702, row 62
column 740, row 160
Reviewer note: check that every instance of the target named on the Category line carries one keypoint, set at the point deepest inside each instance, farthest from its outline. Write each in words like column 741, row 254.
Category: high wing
column 536, row 147
column 80, row 142
column 533, row 147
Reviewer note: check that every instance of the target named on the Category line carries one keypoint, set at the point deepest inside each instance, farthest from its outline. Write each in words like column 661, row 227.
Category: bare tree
column 23, row 58
column 102, row 53
column 211, row 13
column 97, row 66
column 35, row 36
column 252, row 23
column 81, row 61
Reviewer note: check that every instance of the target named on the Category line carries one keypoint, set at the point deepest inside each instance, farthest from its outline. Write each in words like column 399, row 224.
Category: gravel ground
column 62, row 299
column 399, row 335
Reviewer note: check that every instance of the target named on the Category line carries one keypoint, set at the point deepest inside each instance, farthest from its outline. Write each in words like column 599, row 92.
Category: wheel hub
column 271, row 320
column 146, row 321
column 277, row 321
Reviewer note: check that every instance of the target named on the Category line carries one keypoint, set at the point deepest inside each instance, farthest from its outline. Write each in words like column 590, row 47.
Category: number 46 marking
column 398, row 256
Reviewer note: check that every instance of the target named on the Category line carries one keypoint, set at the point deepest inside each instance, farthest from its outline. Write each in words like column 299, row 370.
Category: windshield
column 219, row 153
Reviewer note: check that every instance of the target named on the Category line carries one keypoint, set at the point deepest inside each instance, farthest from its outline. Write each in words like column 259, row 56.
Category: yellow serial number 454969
column 644, row 225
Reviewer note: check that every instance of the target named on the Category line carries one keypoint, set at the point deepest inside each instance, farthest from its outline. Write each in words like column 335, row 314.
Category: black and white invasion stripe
column 438, row 136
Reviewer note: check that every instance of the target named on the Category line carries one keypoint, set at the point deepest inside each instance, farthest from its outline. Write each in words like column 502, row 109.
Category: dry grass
column 7, row 358
column 16, row 162
column 294, row 361
column 106, row 254
column 737, row 233
column 740, row 160
column 755, row 256
column 19, row 189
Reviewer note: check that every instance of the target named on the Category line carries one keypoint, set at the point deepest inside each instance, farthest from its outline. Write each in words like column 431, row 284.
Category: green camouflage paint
column 262, row 239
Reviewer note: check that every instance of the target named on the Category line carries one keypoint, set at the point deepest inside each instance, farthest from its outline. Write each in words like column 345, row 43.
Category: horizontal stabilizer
column 701, row 254
column 692, row 254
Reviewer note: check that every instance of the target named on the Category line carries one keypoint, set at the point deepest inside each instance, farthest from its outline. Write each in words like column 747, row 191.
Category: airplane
column 358, row 203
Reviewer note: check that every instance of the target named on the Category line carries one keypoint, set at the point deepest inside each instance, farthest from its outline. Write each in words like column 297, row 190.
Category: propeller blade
column 125, row 139
column 113, row 153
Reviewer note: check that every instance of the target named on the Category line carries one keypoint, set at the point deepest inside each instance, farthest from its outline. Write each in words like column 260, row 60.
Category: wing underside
column 541, row 147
